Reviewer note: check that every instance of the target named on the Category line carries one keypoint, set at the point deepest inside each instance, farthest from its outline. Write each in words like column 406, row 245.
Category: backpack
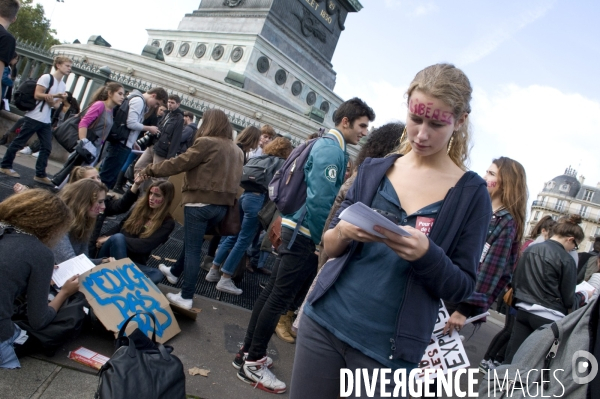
column 259, row 171
column 287, row 189
column 25, row 94
column 119, row 131
column 554, row 348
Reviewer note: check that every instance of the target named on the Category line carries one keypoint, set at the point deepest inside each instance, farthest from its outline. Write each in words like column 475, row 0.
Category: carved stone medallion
column 218, row 52
column 311, row 98
column 262, row 64
column 296, row 88
column 169, row 48
column 183, row 49
column 237, row 54
column 232, row 3
column 325, row 106
column 200, row 50
column 280, row 77
column 156, row 43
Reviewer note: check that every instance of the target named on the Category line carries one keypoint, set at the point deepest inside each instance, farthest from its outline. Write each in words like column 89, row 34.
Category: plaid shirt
column 497, row 264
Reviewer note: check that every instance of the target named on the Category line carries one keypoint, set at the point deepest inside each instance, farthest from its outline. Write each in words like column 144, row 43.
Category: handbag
column 141, row 368
column 67, row 134
column 231, row 224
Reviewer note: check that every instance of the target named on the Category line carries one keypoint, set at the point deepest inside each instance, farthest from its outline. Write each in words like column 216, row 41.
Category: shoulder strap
column 47, row 91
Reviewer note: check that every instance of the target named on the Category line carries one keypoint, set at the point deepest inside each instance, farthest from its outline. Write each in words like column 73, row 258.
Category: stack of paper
column 69, row 268
column 366, row 218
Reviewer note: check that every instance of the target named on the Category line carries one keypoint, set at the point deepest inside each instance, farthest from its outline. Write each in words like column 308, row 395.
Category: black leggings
column 497, row 348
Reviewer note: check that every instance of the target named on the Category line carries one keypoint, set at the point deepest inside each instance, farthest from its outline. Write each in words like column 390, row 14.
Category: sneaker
column 227, row 285
column 44, row 180
column 166, row 270
column 241, row 357
column 207, row 262
column 484, row 366
column 177, row 300
column 25, row 151
column 213, row 276
column 35, row 154
column 10, row 172
column 257, row 374
column 494, row 364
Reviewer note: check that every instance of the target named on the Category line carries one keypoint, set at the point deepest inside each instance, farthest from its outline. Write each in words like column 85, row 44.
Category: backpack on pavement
column 552, row 348
column 25, row 94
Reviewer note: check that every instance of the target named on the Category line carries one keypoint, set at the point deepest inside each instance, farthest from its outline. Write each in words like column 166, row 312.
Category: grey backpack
column 556, row 348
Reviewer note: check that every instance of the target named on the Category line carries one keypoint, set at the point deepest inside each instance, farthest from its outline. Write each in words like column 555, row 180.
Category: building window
column 588, row 195
column 583, row 211
column 560, row 205
column 536, row 216
column 555, row 217
column 597, row 233
column 564, row 187
column 551, row 184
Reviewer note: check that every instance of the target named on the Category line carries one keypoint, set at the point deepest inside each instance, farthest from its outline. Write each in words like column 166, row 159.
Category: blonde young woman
column 376, row 303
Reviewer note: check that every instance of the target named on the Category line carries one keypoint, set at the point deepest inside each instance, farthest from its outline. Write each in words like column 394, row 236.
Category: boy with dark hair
column 49, row 93
column 118, row 152
column 324, row 173
column 8, row 15
column 189, row 131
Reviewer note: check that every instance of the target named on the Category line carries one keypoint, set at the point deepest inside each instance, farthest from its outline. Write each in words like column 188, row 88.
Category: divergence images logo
column 582, row 363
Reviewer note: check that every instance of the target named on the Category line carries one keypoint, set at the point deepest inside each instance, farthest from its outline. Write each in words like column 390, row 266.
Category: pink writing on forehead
column 492, row 184
column 155, row 190
column 426, row 110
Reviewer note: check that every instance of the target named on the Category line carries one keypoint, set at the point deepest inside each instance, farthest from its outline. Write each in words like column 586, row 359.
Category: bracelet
column 340, row 235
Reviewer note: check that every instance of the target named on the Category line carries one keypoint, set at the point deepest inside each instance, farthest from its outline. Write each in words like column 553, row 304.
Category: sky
column 533, row 66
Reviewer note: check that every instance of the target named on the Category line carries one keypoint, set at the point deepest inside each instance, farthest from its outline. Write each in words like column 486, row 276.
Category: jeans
column 44, row 133
column 8, row 358
column 319, row 357
column 197, row 221
column 116, row 247
column 116, row 156
column 250, row 205
column 525, row 324
column 293, row 273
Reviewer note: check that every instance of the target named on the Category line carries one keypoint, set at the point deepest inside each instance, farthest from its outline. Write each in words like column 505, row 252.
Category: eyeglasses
column 576, row 245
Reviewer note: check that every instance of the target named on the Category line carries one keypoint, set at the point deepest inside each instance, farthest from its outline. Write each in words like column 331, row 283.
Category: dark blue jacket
column 447, row 270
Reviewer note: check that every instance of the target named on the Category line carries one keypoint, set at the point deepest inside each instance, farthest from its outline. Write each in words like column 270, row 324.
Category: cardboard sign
column 118, row 290
column 444, row 351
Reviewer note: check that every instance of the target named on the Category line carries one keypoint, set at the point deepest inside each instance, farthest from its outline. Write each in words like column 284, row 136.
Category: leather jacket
column 546, row 275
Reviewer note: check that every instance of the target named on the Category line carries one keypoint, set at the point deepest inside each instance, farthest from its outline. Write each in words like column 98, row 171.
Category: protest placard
column 118, row 290
column 444, row 351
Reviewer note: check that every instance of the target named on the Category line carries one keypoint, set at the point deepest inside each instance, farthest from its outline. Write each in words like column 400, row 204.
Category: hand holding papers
column 77, row 265
column 366, row 218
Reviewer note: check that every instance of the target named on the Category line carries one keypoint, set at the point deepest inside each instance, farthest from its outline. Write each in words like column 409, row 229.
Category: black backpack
column 259, row 171
column 119, row 131
column 25, row 94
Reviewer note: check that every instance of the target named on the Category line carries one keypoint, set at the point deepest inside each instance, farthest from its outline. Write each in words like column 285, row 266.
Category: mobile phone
column 389, row 216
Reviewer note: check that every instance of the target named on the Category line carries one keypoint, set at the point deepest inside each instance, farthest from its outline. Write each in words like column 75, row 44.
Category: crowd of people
column 359, row 299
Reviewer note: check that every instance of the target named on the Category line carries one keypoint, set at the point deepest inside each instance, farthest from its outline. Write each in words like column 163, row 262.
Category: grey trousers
column 319, row 357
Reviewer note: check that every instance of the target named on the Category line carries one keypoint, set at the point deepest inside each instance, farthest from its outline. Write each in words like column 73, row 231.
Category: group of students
column 370, row 301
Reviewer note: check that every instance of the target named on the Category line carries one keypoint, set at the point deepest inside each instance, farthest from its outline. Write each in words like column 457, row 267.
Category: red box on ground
column 87, row 357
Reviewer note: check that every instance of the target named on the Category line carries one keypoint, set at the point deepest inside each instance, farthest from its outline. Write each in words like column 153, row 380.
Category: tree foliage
column 33, row 26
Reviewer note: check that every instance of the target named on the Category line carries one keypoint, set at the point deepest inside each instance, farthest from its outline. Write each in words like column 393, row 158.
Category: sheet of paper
column 475, row 318
column 366, row 218
column 584, row 286
column 77, row 265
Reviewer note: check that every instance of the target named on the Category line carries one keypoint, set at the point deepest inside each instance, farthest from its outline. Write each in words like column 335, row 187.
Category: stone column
column 47, row 68
column 35, row 74
column 73, row 84
column 82, row 92
column 98, row 81
column 27, row 70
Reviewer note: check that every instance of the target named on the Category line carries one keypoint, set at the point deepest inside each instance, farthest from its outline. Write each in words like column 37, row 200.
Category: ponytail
column 568, row 226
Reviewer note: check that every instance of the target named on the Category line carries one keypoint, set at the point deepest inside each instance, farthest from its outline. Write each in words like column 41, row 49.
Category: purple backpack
column 288, row 187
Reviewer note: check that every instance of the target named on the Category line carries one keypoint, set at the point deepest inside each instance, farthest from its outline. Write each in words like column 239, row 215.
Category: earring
column 450, row 143
column 403, row 135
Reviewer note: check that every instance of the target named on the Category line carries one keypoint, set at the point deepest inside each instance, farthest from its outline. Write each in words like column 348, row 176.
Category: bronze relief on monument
column 183, row 49
column 232, row 3
column 200, row 50
column 218, row 52
column 169, row 48
column 262, row 64
column 237, row 54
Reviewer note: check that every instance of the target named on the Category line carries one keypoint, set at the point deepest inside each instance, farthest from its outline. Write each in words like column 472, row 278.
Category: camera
column 147, row 140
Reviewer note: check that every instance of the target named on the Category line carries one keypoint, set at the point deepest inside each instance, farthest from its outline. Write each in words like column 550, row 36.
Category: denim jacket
column 447, row 270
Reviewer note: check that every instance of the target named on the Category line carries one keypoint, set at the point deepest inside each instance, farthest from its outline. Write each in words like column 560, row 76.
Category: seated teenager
column 146, row 227
column 30, row 223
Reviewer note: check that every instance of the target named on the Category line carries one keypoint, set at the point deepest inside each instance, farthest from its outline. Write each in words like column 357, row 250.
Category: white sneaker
column 25, row 151
column 35, row 154
column 166, row 270
column 213, row 276
column 258, row 374
column 177, row 300
column 227, row 285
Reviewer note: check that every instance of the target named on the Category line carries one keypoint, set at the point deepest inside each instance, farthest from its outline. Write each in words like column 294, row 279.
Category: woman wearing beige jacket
column 213, row 170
